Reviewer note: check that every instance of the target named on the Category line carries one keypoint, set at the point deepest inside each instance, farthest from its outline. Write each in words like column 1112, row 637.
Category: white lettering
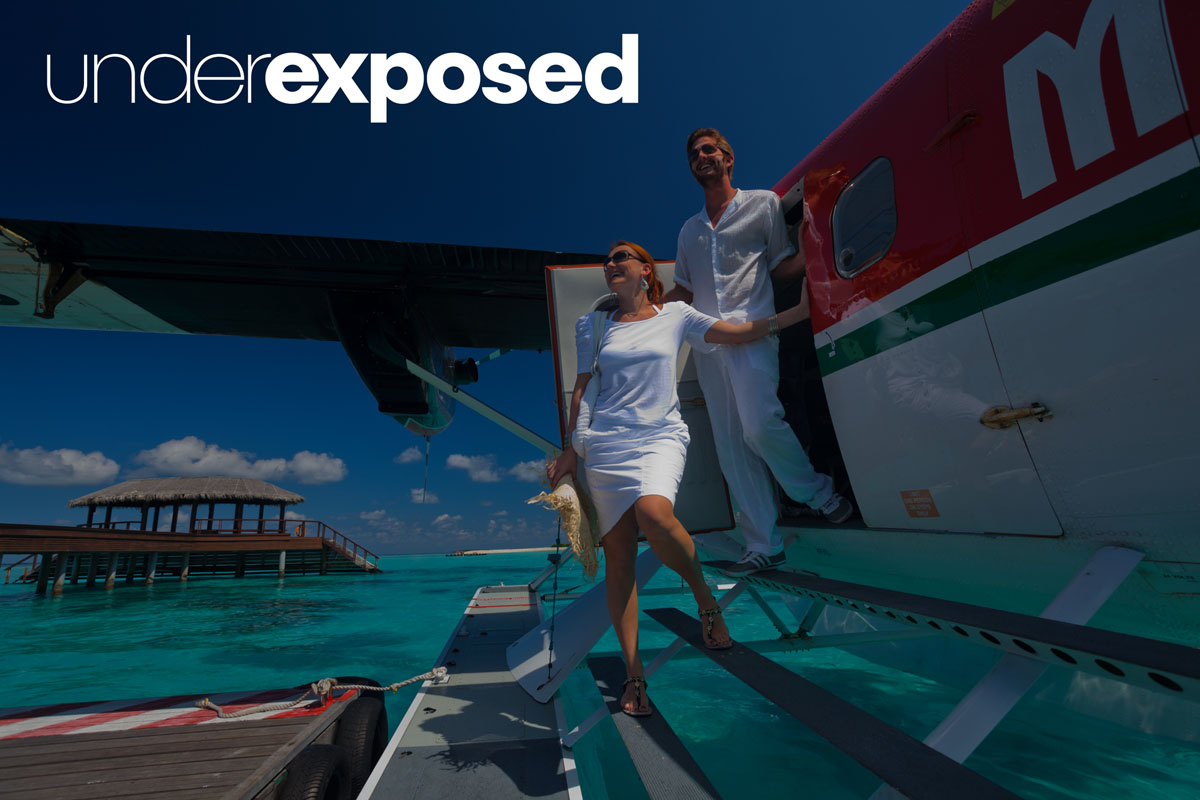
column 1146, row 59
column 626, row 64
column 382, row 92
column 554, row 68
column 436, row 79
column 341, row 77
column 493, row 70
column 185, row 62
column 250, row 75
column 291, row 68
column 294, row 78
column 82, row 91
column 240, row 76
column 96, row 62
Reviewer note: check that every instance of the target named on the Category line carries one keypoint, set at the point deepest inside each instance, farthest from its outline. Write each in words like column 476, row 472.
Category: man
column 726, row 258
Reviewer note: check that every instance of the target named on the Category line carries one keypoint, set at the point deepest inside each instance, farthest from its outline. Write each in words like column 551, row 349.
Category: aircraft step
column 1164, row 667
column 664, row 765
column 914, row 769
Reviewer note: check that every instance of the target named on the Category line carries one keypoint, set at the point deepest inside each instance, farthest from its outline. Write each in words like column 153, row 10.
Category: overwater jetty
column 107, row 550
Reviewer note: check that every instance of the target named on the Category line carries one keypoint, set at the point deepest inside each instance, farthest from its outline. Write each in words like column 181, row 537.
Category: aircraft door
column 1081, row 186
column 702, row 503
column 904, row 353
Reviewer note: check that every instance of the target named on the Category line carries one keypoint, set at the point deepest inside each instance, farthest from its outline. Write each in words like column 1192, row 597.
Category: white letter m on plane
column 1147, row 64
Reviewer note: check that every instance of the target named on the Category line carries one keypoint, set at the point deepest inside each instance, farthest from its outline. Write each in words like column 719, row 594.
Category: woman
column 637, row 441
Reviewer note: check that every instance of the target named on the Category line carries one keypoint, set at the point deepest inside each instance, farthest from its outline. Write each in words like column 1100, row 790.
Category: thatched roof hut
column 158, row 493
column 184, row 491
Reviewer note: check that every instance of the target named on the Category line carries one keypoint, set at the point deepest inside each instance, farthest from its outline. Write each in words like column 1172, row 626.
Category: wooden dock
column 237, row 548
column 167, row 747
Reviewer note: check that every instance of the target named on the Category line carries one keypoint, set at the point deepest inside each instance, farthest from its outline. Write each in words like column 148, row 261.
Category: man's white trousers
column 741, row 384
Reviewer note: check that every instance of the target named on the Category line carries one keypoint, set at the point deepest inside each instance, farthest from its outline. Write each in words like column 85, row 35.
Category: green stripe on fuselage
column 1156, row 215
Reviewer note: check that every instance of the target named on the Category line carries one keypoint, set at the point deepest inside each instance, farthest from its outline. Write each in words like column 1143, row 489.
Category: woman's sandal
column 642, row 709
column 708, row 615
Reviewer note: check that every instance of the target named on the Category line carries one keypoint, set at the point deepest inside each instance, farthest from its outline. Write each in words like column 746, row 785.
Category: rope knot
column 324, row 687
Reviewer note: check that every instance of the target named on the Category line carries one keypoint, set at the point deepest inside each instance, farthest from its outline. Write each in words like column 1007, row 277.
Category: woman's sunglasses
column 621, row 257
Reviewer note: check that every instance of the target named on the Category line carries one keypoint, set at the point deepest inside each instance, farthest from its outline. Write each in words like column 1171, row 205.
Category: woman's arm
column 567, row 461
column 741, row 332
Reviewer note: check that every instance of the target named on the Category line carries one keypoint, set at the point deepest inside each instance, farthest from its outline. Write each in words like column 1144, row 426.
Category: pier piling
column 43, row 573
column 110, row 580
column 60, row 574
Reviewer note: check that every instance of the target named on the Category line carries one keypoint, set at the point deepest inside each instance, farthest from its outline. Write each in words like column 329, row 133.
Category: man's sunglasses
column 706, row 149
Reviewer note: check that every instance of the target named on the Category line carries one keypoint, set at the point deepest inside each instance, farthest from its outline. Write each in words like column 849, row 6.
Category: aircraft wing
column 385, row 301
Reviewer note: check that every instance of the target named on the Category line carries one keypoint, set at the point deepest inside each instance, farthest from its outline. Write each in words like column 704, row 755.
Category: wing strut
column 510, row 425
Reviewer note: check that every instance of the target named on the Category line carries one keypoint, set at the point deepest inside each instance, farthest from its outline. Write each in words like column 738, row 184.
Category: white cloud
column 446, row 520
column 310, row 467
column 380, row 521
column 64, row 467
column 409, row 456
column 481, row 469
column 295, row 515
column 421, row 496
column 501, row 513
column 529, row 471
column 191, row 456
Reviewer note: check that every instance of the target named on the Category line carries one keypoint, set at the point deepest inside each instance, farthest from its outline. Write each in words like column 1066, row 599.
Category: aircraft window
column 864, row 219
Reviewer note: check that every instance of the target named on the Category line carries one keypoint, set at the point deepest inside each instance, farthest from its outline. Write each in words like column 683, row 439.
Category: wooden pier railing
column 236, row 547
column 8, row 569
column 247, row 526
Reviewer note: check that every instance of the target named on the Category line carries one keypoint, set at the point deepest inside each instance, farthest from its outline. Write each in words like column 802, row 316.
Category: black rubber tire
column 320, row 772
column 363, row 733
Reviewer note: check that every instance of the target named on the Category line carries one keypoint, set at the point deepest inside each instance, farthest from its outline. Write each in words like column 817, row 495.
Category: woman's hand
column 566, row 464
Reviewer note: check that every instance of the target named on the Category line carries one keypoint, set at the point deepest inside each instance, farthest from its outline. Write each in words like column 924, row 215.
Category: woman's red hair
column 655, row 293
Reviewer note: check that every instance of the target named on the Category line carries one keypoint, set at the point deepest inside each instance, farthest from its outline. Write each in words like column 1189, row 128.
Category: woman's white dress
column 637, row 442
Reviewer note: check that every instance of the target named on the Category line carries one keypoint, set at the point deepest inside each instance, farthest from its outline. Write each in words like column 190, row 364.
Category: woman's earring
column 645, row 285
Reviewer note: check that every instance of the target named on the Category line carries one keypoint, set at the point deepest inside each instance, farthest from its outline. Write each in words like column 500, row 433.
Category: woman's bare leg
column 670, row 541
column 620, row 586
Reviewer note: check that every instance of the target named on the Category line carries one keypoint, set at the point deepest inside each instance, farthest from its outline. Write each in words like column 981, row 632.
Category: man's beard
column 714, row 178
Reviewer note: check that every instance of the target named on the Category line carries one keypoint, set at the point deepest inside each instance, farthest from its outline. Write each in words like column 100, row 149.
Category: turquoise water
column 223, row 635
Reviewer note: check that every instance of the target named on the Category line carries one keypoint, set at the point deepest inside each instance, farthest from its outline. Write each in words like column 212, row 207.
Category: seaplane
column 1001, row 247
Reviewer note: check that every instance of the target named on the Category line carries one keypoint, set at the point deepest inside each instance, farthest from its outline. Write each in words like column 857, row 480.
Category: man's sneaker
column 836, row 509
column 753, row 561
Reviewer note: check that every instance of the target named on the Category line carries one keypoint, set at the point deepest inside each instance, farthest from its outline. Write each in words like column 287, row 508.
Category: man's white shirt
column 728, row 268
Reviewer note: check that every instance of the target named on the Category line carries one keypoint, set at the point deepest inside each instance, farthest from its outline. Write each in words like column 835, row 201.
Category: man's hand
column 678, row 293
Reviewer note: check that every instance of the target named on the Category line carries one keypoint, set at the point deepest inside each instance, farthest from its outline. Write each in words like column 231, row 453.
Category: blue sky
column 82, row 410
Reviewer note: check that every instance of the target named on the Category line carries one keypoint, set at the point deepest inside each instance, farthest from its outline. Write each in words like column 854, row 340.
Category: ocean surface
column 213, row 635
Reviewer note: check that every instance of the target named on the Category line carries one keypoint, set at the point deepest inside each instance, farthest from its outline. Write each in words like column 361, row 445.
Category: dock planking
column 216, row 759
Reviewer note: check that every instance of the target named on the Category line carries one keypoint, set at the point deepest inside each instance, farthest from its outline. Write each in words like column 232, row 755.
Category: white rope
column 322, row 688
